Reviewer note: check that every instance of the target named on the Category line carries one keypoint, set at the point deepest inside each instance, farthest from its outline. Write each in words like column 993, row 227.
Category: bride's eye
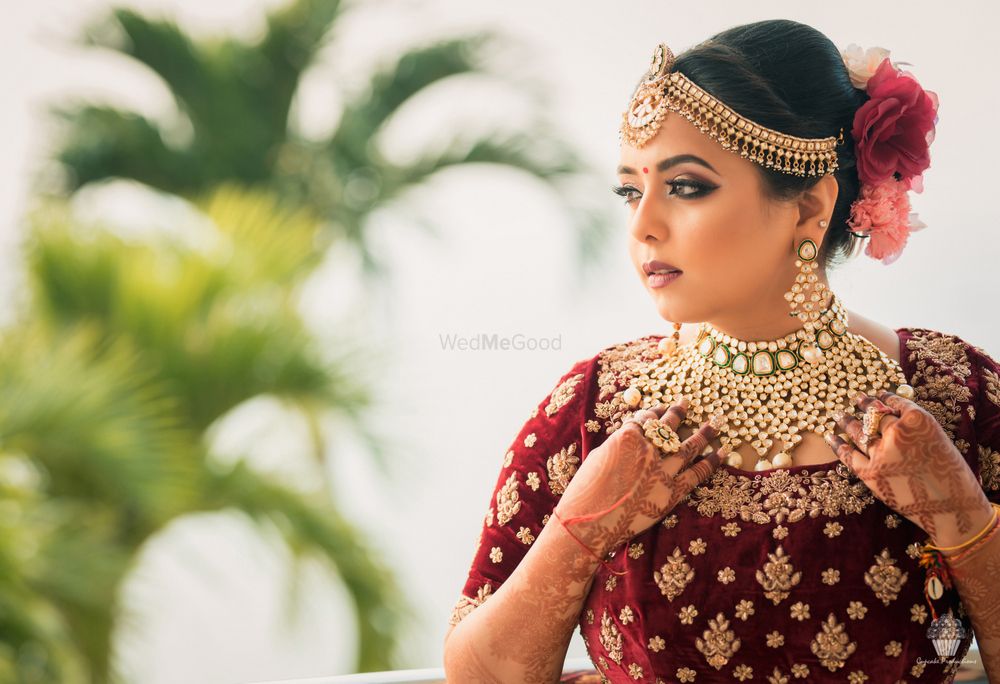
column 700, row 189
column 626, row 191
column 693, row 190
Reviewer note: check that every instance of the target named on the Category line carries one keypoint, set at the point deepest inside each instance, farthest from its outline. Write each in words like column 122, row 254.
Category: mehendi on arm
column 975, row 576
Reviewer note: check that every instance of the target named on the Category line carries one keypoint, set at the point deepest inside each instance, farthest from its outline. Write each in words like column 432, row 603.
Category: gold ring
column 870, row 424
column 662, row 435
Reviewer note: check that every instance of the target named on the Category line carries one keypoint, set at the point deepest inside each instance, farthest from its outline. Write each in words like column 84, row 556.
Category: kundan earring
column 809, row 312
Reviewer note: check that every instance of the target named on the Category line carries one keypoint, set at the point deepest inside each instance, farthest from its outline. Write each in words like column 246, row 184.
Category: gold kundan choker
column 765, row 390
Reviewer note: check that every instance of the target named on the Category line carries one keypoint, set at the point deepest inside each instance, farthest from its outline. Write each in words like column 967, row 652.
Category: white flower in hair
column 861, row 64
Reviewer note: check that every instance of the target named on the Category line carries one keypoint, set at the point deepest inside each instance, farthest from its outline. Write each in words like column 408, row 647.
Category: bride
column 780, row 489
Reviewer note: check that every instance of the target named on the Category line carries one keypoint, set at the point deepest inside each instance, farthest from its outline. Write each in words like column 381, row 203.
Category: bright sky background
column 206, row 598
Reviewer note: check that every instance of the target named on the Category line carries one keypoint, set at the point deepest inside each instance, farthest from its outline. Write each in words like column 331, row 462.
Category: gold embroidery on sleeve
column 992, row 386
column 508, row 500
column 530, row 440
column 611, row 638
column 941, row 366
column 533, row 481
column 561, row 468
column 989, row 468
column 884, row 578
column 832, row 645
column 466, row 604
column 778, row 576
column 718, row 643
column 674, row 575
column 775, row 639
column 616, row 367
column 562, row 394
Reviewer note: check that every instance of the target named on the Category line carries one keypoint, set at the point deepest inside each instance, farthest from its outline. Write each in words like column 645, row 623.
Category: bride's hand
column 628, row 465
column 913, row 466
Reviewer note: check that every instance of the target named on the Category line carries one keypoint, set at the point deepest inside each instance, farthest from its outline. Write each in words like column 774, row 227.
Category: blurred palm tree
column 233, row 101
column 126, row 354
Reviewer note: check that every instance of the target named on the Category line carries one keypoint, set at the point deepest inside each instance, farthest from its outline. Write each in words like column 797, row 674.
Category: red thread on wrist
column 591, row 516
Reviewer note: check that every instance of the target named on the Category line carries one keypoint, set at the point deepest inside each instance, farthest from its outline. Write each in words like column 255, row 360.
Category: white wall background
column 206, row 598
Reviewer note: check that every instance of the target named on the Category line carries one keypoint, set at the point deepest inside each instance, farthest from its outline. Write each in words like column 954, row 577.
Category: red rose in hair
column 894, row 128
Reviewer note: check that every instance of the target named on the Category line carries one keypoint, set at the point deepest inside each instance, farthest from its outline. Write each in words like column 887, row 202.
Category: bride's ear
column 817, row 203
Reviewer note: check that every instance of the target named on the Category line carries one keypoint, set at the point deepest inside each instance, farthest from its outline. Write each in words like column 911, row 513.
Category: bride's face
column 701, row 209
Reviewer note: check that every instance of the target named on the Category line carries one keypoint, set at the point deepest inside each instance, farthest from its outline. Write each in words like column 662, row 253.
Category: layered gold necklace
column 767, row 391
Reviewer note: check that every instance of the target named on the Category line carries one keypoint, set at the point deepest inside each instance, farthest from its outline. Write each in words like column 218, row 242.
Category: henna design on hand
column 914, row 467
column 626, row 476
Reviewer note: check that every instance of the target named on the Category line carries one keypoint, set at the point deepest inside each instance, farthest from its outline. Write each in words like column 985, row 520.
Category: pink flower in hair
column 882, row 211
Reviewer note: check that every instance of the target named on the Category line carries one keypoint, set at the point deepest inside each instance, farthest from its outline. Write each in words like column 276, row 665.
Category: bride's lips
column 663, row 279
column 660, row 273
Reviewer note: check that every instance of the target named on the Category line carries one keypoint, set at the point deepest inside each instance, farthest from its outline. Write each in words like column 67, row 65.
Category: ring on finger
column 662, row 435
column 870, row 422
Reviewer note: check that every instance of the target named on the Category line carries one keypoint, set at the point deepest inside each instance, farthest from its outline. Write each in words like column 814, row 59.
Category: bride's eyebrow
column 665, row 164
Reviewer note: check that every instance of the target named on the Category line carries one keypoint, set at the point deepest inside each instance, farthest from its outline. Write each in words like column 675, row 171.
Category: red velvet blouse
column 784, row 574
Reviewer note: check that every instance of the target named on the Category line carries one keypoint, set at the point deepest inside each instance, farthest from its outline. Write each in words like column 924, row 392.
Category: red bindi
column 645, row 170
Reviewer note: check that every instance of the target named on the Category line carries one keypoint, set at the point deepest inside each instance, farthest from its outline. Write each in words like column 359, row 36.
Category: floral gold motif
column 884, row 578
column 718, row 643
column 562, row 394
column 832, row 645
column 611, row 638
column 508, row 500
column 562, row 467
column 778, row 576
column 674, row 575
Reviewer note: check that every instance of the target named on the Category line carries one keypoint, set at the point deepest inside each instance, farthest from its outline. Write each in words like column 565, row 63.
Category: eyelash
column 701, row 190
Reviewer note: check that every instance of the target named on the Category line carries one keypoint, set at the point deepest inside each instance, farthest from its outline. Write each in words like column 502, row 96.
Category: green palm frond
column 236, row 96
column 103, row 142
column 394, row 84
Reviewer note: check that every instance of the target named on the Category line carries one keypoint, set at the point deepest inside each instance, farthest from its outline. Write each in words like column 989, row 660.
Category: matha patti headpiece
column 662, row 90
